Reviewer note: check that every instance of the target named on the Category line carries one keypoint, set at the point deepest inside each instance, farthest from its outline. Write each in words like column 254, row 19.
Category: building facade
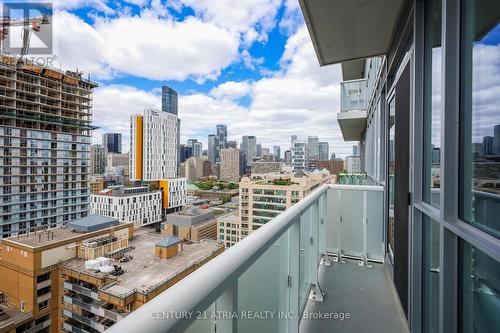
column 248, row 148
column 97, row 159
column 300, row 156
column 324, row 151
column 153, row 145
column 313, row 147
column 230, row 165
column 427, row 91
column 277, row 152
column 213, row 148
column 222, row 136
column 137, row 205
column 353, row 164
column 44, row 146
column 112, row 142
column 118, row 160
column 263, row 197
column 229, row 228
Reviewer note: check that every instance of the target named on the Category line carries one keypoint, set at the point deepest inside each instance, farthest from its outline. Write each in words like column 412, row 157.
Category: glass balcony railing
column 274, row 272
column 353, row 95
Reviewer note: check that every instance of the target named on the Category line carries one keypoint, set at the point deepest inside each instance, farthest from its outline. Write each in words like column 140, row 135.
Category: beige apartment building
column 116, row 160
column 229, row 165
column 265, row 196
column 88, row 275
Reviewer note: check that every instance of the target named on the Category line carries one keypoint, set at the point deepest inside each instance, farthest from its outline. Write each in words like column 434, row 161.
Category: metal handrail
column 195, row 293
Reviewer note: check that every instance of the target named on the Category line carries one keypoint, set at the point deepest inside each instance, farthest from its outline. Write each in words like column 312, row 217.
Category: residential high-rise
column 300, row 156
column 45, row 129
column 288, row 156
column 277, row 152
column 230, row 165
column 194, row 168
column 353, row 164
column 324, row 151
column 213, row 148
column 268, row 195
column 333, row 156
column 169, row 105
column 112, row 142
column 222, row 136
column 313, row 147
column 97, row 159
column 153, row 150
column 248, row 148
column 169, row 100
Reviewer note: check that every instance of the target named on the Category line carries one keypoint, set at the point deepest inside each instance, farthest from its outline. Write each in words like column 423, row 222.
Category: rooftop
column 145, row 270
column 91, row 223
column 44, row 237
column 168, row 241
column 10, row 317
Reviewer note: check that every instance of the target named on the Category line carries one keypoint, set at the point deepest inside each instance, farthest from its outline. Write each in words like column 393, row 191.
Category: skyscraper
column 487, row 145
column 97, row 159
column 222, row 135
column 169, row 105
column 324, row 151
column 496, row 140
column 185, row 152
column 248, row 149
column 277, row 152
column 44, row 166
column 197, row 149
column 213, row 148
column 112, row 142
column 230, row 165
column 232, row 144
column 153, row 145
column 313, row 147
column 258, row 150
column 293, row 139
column 169, row 100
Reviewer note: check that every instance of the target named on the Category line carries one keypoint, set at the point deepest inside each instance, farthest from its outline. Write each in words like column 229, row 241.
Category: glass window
column 391, row 167
column 430, row 275
column 480, row 112
column 480, row 291
column 432, row 106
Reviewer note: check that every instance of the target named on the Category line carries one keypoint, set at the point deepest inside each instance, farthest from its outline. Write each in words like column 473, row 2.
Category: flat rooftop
column 50, row 236
column 11, row 317
column 145, row 270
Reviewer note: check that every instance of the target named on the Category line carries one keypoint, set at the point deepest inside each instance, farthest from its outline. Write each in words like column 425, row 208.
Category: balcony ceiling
column 352, row 124
column 344, row 30
column 353, row 70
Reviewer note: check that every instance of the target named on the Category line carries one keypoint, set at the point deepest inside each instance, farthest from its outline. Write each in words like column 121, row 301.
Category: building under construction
column 45, row 129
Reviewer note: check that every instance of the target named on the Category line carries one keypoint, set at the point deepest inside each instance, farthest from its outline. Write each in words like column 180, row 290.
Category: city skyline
column 243, row 72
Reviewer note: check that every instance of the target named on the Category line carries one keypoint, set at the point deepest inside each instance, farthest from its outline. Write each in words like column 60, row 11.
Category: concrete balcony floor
column 366, row 293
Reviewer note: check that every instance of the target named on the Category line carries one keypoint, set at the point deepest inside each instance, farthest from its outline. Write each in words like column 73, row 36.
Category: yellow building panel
column 138, row 147
column 164, row 188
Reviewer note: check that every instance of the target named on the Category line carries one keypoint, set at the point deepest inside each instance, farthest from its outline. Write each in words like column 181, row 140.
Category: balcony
column 352, row 115
column 323, row 255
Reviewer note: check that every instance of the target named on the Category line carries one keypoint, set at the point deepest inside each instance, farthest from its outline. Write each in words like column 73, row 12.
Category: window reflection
column 432, row 114
column 481, row 115
column 480, row 296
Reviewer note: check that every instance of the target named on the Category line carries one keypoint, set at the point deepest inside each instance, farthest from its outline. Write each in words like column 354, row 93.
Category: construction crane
column 29, row 26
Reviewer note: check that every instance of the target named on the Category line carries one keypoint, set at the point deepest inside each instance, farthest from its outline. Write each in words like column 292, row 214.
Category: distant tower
column 222, row 136
column 169, row 100
column 496, row 140
column 112, row 142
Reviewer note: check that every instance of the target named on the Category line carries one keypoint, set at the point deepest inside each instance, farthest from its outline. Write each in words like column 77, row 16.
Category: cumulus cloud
column 300, row 99
column 144, row 46
column 231, row 90
column 253, row 19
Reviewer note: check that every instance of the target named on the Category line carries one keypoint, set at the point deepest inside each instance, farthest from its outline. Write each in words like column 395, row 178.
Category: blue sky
column 249, row 65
